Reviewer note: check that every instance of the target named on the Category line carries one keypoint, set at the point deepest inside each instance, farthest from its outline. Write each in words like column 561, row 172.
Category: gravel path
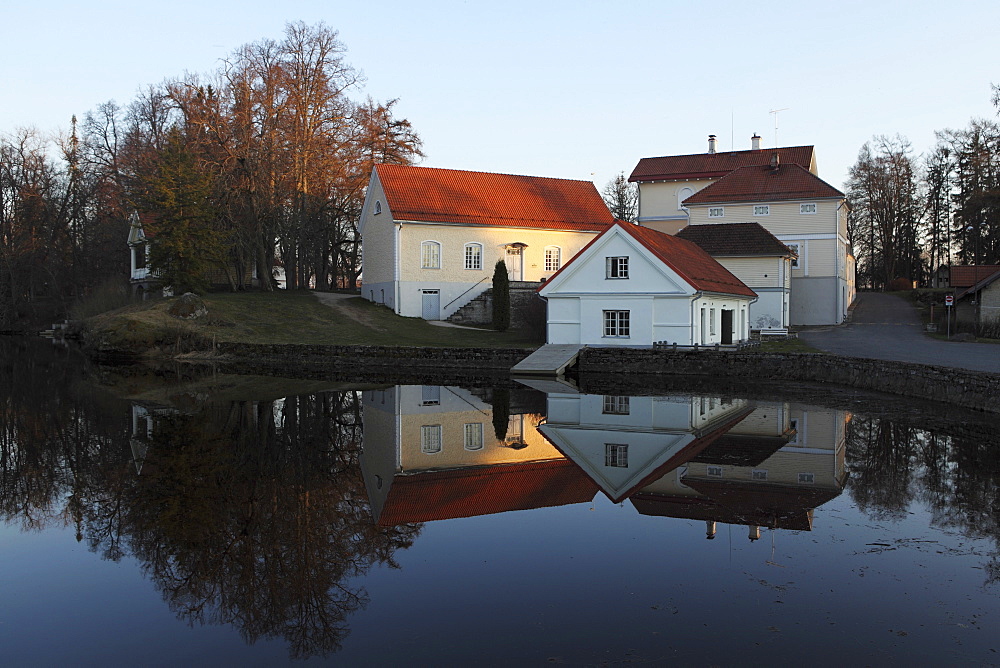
column 889, row 328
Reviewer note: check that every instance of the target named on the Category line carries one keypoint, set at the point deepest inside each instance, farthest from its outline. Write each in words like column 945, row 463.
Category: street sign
column 949, row 300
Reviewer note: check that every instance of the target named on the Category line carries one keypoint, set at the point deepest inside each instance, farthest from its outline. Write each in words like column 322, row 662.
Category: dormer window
column 716, row 211
column 378, row 207
column 762, row 210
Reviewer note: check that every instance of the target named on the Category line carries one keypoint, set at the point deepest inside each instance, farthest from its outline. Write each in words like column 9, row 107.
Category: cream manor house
column 777, row 188
column 431, row 237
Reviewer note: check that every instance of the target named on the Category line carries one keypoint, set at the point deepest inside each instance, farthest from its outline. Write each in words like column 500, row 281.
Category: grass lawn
column 792, row 345
column 291, row 317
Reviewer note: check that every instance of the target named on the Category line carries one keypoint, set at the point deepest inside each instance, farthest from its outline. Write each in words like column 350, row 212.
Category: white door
column 513, row 261
column 430, row 305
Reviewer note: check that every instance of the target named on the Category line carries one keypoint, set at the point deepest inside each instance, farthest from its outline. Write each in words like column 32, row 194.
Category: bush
column 501, row 297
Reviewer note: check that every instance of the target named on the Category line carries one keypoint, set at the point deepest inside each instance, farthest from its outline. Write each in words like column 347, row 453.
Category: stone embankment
column 970, row 389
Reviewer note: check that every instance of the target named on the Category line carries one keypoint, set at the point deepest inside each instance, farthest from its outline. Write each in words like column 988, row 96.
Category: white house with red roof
column 431, row 237
column 778, row 188
column 633, row 286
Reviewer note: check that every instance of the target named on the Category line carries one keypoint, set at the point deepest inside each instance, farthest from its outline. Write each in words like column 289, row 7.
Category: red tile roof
column 967, row 275
column 691, row 263
column 714, row 165
column 986, row 279
column 469, row 492
column 735, row 240
column 480, row 198
column 765, row 184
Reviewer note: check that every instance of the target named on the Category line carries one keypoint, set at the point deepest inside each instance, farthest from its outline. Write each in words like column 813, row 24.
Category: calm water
column 161, row 517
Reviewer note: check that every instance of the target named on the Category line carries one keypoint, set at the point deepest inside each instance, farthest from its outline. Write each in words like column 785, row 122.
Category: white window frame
column 617, row 324
column 431, row 442
column 758, row 474
column 615, row 405
column 616, row 267
column 716, row 212
column 430, row 254
column 473, row 256
column 616, row 455
column 473, row 436
column 711, row 322
column 807, row 478
column 762, row 209
column 804, row 208
column 430, row 395
column 682, row 195
column 797, row 248
column 713, row 471
column 553, row 258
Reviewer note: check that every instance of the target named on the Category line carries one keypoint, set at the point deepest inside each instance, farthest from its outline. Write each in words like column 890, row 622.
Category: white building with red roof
column 431, row 237
column 778, row 188
column 633, row 286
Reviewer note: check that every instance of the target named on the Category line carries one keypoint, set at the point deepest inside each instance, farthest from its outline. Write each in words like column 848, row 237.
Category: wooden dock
column 549, row 360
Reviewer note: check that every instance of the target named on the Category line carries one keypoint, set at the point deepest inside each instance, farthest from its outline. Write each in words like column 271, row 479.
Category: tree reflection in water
column 956, row 474
column 251, row 514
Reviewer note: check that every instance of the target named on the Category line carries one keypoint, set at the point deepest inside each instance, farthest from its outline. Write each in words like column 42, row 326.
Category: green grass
column 293, row 317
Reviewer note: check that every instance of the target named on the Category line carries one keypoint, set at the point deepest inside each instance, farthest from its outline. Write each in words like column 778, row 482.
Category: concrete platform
column 549, row 360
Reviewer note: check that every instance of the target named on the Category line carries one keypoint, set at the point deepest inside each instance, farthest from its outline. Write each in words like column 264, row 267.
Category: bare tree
column 621, row 198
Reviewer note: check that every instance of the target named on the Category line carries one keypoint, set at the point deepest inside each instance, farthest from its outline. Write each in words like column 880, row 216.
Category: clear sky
column 576, row 90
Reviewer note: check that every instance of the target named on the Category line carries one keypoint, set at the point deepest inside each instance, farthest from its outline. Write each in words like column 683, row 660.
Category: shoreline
column 973, row 390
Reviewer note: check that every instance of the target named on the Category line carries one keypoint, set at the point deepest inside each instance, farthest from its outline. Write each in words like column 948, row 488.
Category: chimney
column 755, row 142
column 711, row 143
column 775, row 161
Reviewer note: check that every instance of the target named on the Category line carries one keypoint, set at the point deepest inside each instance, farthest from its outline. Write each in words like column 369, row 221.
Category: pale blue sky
column 565, row 89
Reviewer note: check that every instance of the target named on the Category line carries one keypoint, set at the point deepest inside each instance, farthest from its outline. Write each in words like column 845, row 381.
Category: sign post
column 949, row 301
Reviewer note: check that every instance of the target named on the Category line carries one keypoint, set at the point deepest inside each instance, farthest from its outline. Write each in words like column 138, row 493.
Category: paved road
column 889, row 328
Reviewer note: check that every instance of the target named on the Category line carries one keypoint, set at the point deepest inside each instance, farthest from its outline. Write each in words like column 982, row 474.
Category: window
column 430, row 395
column 715, row 471
column 430, row 439
column 473, row 256
column 795, row 260
column 474, row 436
column 614, row 405
column 716, row 212
column 140, row 256
column 378, row 207
column 616, row 455
column 553, row 258
column 682, row 195
column 762, row 210
column 808, row 208
column 616, row 324
column 430, row 255
column 616, row 267
column 807, row 478
column 759, row 474
column 711, row 322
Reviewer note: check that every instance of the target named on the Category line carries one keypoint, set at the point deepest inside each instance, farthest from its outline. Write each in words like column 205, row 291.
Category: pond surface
column 181, row 516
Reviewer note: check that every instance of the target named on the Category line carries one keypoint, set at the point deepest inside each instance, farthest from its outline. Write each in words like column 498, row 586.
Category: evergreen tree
column 176, row 196
column 501, row 297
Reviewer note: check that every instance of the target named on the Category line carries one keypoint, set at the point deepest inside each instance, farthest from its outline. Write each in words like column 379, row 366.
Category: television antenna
column 776, row 112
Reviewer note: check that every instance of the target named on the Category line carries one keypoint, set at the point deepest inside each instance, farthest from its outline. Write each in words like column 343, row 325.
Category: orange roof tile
column 433, row 195
column 967, row 275
column 470, row 492
column 765, row 184
column 714, row 165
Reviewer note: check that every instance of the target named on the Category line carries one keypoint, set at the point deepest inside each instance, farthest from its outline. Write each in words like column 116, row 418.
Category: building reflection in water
column 436, row 453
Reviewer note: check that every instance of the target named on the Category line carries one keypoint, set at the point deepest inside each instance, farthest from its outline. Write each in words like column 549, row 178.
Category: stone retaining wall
column 972, row 389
